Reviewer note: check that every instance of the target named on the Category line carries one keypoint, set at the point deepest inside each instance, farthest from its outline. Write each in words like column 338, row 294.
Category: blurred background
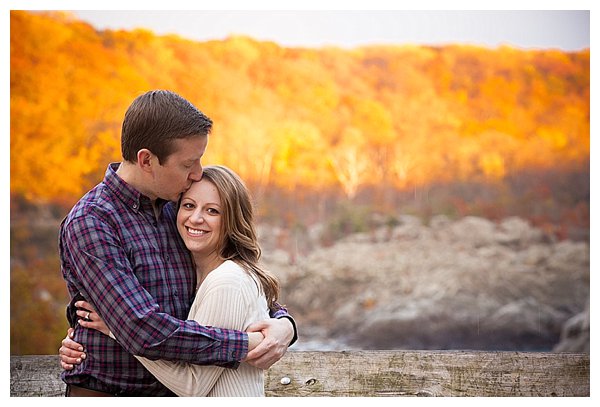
column 415, row 189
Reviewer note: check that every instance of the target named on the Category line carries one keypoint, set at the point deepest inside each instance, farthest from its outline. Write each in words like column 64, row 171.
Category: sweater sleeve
column 225, row 300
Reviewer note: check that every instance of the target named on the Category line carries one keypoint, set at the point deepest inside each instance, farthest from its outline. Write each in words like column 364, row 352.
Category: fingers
column 263, row 348
column 66, row 366
column 71, row 353
column 265, row 354
column 72, row 346
column 273, row 347
column 68, row 356
column 263, row 362
column 86, row 315
column 98, row 325
column 85, row 305
column 257, row 326
column 85, row 310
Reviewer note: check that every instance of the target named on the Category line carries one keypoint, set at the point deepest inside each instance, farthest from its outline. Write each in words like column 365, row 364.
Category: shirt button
column 135, row 206
column 167, row 258
column 175, row 293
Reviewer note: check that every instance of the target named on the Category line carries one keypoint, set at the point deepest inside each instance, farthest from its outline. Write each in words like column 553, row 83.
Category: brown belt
column 76, row 391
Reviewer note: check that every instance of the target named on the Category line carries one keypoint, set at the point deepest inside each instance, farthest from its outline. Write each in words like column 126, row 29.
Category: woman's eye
column 213, row 211
column 188, row 206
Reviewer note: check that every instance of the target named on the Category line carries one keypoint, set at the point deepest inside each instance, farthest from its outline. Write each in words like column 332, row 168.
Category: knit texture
column 228, row 298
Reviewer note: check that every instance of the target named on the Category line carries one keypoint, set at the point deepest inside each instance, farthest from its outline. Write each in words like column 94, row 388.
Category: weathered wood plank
column 429, row 373
column 379, row 373
column 36, row 375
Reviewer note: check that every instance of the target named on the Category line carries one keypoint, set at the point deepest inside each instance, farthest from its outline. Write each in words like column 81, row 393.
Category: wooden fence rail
column 378, row 373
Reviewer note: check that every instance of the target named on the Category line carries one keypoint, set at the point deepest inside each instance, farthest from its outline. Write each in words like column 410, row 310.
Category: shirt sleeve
column 99, row 262
column 224, row 299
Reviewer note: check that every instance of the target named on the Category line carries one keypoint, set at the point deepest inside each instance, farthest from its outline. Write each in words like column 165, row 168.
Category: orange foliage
column 293, row 118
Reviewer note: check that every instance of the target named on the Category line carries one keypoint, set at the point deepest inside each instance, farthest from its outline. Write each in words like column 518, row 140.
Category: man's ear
column 145, row 159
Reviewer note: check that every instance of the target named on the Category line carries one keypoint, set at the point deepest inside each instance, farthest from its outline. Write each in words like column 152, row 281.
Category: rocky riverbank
column 465, row 284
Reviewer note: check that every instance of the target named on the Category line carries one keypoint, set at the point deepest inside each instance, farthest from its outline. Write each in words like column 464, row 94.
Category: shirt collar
column 130, row 196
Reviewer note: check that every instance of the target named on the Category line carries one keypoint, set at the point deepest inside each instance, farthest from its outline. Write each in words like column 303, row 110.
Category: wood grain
column 378, row 374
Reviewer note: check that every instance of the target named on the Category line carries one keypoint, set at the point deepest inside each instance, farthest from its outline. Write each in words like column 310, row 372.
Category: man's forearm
column 191, row 343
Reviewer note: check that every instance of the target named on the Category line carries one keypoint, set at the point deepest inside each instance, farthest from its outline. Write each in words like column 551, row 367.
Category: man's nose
column 196, row 174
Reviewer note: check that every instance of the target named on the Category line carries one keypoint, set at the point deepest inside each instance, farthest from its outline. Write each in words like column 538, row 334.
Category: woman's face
column 199, row 218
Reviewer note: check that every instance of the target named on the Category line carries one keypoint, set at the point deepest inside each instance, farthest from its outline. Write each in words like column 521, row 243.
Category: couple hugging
column 161, row 262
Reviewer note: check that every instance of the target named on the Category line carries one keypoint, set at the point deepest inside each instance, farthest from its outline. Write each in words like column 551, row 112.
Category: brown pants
column 76, row 391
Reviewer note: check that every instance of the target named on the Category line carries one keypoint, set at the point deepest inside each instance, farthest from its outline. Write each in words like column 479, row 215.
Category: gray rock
column 467, row 284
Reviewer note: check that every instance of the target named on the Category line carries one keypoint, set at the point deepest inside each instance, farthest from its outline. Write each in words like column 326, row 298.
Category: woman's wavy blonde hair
column 239, row 240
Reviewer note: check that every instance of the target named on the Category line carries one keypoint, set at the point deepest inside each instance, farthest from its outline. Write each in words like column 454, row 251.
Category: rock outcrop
column 466, row 284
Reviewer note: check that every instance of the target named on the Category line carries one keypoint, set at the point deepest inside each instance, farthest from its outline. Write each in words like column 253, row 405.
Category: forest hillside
column 332, row 142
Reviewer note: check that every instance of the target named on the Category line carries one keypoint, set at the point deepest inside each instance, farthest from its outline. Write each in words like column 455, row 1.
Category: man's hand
column 71, row 353
column 278, row 334
column 254, row 339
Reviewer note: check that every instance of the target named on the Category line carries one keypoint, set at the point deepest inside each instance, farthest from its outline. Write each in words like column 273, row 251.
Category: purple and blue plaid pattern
column 135, row 269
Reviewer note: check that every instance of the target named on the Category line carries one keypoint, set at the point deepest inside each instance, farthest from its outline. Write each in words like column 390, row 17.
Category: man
column 120, row 251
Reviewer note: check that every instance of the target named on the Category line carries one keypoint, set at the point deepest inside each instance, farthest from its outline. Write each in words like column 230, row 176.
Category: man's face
column 180, row 169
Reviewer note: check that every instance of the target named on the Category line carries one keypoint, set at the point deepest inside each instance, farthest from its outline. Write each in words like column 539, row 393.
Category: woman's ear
column 145, row 159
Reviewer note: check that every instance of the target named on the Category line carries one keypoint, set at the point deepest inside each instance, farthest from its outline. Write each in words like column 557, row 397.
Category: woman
column 215, row 221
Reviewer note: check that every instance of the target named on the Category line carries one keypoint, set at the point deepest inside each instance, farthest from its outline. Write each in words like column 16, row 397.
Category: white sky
column 563, row 29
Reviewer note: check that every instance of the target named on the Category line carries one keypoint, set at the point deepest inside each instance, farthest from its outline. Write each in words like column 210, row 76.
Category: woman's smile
column 196, row 232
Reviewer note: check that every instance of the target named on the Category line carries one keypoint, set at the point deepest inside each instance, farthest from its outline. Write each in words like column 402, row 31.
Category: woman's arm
column 225, row 299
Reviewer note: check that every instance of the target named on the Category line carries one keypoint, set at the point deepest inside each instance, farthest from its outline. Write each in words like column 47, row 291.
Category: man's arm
column 97, row 260
column 280, row 332
column 72, row 353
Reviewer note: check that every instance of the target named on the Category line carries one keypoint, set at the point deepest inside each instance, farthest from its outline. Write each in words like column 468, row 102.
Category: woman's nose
column 197, row 217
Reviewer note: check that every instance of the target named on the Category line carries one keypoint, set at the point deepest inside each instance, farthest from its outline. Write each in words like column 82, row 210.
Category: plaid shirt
column 135, row 269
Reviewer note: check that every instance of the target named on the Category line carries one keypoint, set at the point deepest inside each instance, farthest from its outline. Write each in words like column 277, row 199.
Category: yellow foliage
column 291, row 118
column 492, row 165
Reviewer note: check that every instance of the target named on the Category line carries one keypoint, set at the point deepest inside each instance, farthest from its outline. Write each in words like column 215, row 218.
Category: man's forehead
column 190, row 148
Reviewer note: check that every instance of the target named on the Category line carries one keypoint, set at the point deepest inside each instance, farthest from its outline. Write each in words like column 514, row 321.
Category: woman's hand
column 71, row 353
column 90, row 318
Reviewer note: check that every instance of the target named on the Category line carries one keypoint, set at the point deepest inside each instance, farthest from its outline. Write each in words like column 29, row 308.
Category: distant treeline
column 330, row 120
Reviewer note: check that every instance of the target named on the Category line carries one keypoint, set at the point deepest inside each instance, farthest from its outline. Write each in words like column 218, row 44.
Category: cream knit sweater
column 227, row 298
